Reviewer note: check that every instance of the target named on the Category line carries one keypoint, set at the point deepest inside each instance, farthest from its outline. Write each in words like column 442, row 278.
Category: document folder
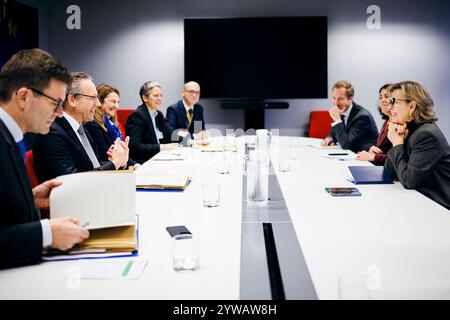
column 104, row 202
column 369, row 175
column 162, row 181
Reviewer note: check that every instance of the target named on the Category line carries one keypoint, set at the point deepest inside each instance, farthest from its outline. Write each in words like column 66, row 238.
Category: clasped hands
column 397, row 133
column 118, row 153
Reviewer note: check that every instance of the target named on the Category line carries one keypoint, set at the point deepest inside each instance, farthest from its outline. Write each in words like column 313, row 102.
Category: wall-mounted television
column 257, row 58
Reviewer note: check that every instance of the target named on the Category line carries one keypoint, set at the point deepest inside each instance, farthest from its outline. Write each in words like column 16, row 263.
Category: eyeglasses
column 192, row 92
column 91, row 98
column 392, row 100
column 58, row 101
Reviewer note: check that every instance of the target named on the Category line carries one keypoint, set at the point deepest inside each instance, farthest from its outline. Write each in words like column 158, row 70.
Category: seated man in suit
column 68, row 148
column 32, row 89
column 146, row 127
column 353, row 127
column 186, row 116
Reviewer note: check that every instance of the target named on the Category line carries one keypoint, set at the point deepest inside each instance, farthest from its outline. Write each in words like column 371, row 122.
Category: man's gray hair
column 77, row 77
column 147, row 87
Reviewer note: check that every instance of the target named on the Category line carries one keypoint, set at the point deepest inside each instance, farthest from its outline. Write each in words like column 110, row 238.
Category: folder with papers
column 160, row 180
column 369, row 175
column 104, row 202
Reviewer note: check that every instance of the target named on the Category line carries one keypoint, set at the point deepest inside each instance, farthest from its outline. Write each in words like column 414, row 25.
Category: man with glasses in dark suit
column 32, row 90
column 68, row 148
column 186, row 116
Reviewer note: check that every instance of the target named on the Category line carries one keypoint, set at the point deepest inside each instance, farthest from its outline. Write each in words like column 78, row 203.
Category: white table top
column 399, row 234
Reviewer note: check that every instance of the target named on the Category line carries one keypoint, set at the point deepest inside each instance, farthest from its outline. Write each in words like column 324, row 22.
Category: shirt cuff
column 336, row 122
column 46, row 233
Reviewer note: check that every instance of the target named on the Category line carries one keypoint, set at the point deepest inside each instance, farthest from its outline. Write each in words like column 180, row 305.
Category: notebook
column 369, row 175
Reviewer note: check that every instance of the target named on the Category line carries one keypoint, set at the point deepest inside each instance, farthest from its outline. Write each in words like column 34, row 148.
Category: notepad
column 369, row 175
column 160, row 180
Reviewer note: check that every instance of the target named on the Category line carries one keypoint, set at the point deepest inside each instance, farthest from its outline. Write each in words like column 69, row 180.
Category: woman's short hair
column 416, row 92
column 147, row 87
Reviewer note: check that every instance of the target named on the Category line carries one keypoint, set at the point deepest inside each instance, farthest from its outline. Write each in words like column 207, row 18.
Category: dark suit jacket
column 422, row 162
column 139, row 127
column 360, row 132
column 102, row 140
column 20, row 229
column 60, row 152
column 176, row 117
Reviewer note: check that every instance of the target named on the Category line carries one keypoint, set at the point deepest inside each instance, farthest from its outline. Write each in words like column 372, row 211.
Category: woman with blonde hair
column 420, row 156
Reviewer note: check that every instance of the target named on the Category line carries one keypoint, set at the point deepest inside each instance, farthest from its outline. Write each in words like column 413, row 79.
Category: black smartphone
column 343, row 191
column 338, row 154
column 176, row 230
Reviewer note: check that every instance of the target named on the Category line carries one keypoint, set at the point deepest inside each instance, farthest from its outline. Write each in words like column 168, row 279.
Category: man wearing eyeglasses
column 185, row 117
column 353, row 126
column 32, row 89
column 68, row 148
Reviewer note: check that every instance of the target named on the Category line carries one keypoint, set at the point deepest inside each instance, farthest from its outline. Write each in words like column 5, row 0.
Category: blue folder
column 369, row 175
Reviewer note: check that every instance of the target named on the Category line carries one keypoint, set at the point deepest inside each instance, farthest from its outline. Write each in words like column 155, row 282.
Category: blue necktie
column 22, row 149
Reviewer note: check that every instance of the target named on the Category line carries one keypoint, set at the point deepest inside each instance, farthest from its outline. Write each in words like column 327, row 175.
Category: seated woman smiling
column 420, row 156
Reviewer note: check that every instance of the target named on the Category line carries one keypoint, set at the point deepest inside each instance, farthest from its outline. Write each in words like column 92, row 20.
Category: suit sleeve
column 357, row 131
column 425, row 154
column 53, row 157
column 101, row 145
column 20, row 245
column 135, row 130
column 171, row 119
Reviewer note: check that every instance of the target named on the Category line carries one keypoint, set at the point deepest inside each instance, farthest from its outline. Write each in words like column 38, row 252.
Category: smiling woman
column 420, row 157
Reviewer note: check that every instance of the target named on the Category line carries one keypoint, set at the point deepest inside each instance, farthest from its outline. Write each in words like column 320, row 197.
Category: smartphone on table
column 343, row 191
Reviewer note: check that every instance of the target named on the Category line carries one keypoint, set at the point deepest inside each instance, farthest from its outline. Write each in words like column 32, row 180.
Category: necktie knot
column 190, row 112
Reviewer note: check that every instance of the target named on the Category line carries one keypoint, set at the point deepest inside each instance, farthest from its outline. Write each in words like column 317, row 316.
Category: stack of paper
column 158, row 180
column 169, row 156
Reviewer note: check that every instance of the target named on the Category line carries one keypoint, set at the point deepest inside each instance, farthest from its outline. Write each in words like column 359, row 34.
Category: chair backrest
column 122, row 130
column 122, row 115
column 30, row 169
column 319, row 124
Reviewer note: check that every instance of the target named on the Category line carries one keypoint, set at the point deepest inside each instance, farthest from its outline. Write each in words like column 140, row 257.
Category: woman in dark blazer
column 146, row 127
column 104, row 129
column 377, row 154
column 420, row 156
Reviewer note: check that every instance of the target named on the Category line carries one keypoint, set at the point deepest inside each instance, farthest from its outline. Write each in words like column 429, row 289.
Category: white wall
column 126, row 43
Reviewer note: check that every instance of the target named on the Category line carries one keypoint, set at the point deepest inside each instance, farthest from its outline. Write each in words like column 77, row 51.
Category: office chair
column 122, row 116
column 319, row 124
column 30, row 169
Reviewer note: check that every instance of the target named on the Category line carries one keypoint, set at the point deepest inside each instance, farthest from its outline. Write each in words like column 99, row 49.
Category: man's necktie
column 88, row 148
column 343, row 119
column 189, row 116
column 22, row 149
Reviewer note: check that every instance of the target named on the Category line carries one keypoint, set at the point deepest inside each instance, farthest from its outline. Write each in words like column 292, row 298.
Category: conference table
column 398, row 237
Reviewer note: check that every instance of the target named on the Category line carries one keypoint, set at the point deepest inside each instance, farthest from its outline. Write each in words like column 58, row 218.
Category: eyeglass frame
column 58, row 101
column 92, row 98
column 392, row 101
column 193, row 92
